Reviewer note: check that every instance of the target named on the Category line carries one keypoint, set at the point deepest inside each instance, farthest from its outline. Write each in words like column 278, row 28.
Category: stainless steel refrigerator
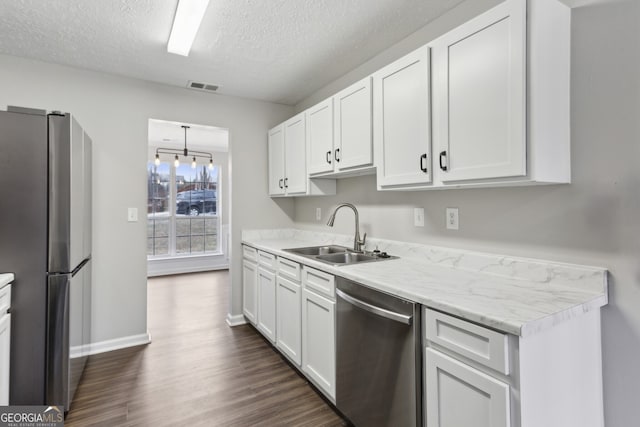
column 45, row 239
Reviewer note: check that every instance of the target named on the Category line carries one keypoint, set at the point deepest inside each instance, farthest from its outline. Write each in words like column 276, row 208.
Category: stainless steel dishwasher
column 378, row 369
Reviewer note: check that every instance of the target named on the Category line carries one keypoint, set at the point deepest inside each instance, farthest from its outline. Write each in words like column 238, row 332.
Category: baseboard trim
column 236, row 320
column 118, row 343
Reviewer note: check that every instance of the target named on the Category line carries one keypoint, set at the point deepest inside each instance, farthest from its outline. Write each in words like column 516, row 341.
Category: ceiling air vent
column 207, row 87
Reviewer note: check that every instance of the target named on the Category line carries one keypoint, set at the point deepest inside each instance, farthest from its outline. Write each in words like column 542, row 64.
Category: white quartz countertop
column 516, row 305
column 5, row 279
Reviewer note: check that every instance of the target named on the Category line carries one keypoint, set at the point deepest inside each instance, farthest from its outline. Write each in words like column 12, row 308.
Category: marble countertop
column 5, row 279
column 514, row 295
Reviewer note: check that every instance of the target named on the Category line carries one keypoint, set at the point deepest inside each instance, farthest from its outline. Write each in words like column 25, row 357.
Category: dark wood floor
column 197, row 371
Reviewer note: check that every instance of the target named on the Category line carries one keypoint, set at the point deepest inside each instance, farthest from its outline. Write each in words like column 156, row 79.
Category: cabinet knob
column 423, row 163
column 285, row 183
column 335, row 154
column 443, row 155
column 329, row 156
column 280, row 183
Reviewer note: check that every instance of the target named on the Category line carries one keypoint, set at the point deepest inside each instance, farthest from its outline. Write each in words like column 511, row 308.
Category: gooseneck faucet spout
column 357, row 243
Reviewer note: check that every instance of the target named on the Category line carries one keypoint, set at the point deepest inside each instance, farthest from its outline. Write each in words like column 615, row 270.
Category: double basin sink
column 338, row 255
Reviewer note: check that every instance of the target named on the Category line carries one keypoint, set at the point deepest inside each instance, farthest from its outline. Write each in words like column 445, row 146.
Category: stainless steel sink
column 338, row 255
column 317, row 250
column 345, row 258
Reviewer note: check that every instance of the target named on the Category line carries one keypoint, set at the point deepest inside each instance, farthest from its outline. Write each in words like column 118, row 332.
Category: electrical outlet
column 418, row 217
column 132, row 215
column 451, row 218
column 318, row 214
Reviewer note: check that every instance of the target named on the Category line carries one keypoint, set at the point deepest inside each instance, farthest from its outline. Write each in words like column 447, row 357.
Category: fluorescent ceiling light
column 188, row 17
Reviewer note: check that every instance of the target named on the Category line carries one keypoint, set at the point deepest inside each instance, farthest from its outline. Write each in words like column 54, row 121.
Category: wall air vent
column 207, row 87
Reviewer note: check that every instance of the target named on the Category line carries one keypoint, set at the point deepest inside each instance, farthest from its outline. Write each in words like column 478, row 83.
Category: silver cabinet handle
column 379, row 311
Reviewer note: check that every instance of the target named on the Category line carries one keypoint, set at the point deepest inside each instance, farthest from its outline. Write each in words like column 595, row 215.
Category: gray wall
column 595, row 220
column 115, row 112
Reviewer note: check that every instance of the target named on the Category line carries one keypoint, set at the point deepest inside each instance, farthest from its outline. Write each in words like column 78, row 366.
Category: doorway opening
column 188, row 207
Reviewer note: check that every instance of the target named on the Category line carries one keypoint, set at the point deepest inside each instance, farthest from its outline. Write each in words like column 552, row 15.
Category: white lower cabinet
column 459, row 395
column 318, row 341
column 294, row 307
column 267, row 303
column 480, row 377
column 5, row 344
column 250, row 290
column 289, row 339
column 5, row 347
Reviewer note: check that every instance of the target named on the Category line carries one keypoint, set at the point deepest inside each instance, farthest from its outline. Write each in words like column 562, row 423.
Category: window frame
column 173, row 217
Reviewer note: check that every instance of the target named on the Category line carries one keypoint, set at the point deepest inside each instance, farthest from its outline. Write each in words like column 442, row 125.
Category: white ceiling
column 168, row 134
column 273, row 50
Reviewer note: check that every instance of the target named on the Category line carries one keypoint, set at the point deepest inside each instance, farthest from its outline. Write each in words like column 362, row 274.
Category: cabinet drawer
column 459, row 395
column 319, row 281
column 249, row 253
column 267, row 260
column 289, row 269
column 5, row 299
column 485, row 346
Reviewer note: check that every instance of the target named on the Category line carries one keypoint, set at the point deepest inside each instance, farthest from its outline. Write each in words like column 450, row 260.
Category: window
column 183, row 210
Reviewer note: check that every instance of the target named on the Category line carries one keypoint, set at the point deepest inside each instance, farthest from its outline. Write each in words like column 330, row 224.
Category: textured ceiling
column 273, row 50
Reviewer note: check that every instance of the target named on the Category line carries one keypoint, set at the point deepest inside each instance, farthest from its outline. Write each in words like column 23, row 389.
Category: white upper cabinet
column 288, row 161
column 485, row 105
column 295, row 164
column 339, row 133
column 320, row 137
column 501, row 97
column 353, row 133
column 401, row 121
column 479, row 96
column 276, row 161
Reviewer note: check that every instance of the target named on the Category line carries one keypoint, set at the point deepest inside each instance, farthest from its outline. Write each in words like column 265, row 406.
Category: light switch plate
column 451, row 218
column 132, row 215
column 318, row 214
column 418, row 217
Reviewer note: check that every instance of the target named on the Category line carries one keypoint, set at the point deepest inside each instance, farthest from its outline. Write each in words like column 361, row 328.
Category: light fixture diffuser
column 186, row 22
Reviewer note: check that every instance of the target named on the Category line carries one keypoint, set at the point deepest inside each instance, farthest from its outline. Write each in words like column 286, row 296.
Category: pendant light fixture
column 185, row 152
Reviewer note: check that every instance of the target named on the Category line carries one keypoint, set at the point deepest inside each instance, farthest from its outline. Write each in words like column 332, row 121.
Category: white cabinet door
column 459, row 395
column 401, row 120
column 267, row 303
column 250, row 290
column 289, row 339
column 320, row 137
column 353, row 136
column 318, row 341
column 295, row 164
column 276, row 161
column 5, row 347
column 479, row 96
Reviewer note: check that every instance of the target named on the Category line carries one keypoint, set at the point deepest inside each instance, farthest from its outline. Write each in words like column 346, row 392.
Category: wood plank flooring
column 197, row 371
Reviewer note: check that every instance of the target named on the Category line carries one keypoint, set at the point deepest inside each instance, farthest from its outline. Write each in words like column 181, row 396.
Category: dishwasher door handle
column 391, row 315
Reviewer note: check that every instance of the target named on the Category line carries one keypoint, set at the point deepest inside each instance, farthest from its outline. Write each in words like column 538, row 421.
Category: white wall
column 595, row 220
column 115, row 112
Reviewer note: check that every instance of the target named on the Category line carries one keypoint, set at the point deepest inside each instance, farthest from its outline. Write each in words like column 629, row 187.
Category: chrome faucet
column 357, row 243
